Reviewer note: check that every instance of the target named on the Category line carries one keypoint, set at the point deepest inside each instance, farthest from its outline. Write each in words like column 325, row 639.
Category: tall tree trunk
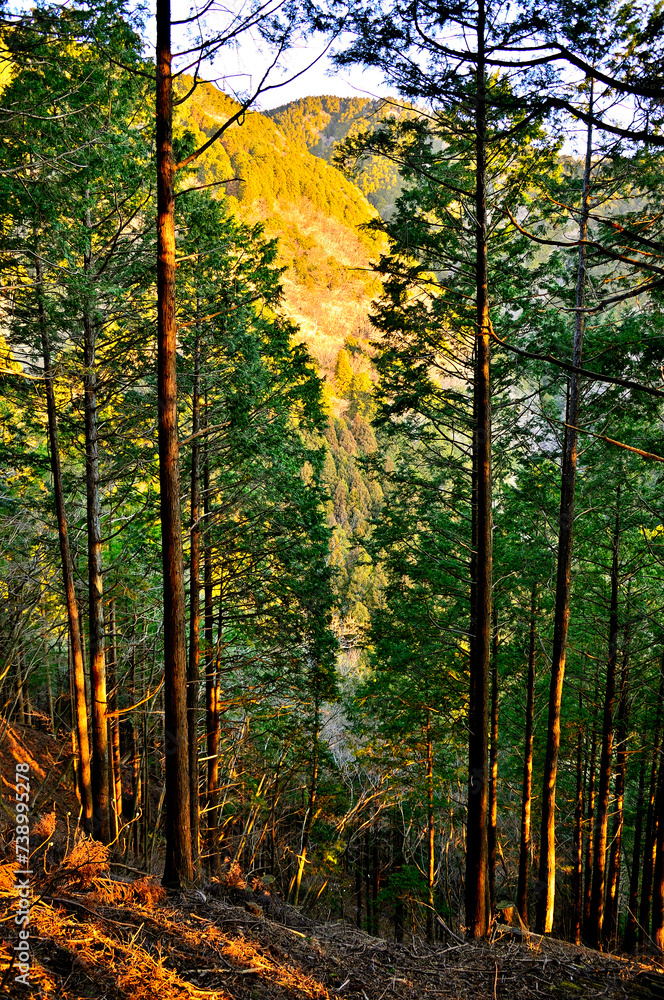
column 492, row 831
column 611, row 914
column 135, row 755
column 49, row 684
column 604, row 792
column 178, row 870
column 590, row 828
column 375, row 876
column 577, row 875
column 431, row 830
column 477, row 900
column 658, row 874
column 96, row 629
column 367, row 881
column 358, row 885
column 398, row 867
column 114, row 725
column 629, row 939
column 211, row 700
column 651, row 820
column 147, row 811
column 526, row 796
column 547, row 867
column 310, row 813
column 194, row 604
column 80, row 705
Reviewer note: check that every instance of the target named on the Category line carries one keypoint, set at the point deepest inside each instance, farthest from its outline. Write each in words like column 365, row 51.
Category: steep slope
column 268, row 174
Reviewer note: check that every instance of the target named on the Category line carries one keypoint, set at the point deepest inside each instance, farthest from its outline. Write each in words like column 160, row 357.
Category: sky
column 321, row 78
column 238, row 69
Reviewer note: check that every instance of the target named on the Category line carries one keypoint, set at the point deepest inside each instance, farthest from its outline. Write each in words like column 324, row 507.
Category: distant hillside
column 314, row 210
column 319, row 123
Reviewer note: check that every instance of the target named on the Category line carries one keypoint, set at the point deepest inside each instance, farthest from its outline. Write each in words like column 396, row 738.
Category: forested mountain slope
column 322, row 123
column 314, row 210
column 284, row 178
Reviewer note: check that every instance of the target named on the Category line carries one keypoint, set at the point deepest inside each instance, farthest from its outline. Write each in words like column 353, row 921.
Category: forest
column 331, row 497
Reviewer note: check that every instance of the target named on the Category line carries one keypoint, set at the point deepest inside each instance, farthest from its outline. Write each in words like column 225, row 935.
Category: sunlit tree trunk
column 115, row 758
column 76, row 648
column 590, row 830
column 311, row 812
column 194, row 605
column 135, row 754
column 492, row 832
column 431, row 831
column 651, row 821
column 546, row 889
column 211, row 700
column 526, row 796
column 178, row 869
column 577, row 874
column 96, row 628
column 658, row 873
column 476, row 889
column 611, row 915
column 604, row 791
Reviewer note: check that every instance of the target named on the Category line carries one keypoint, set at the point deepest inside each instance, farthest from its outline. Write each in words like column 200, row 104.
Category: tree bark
column 178, row 870
column 629, row 939
column 194, row 606
column 611, row 914
column 431, row 832
column 476, row 895
column 398, row 867
column 114, row 725
column 492, row 831
column 358, row 885
column 80, row 705
column 590, row 828
column 577, row 875
column 658, row 875
column 96, row 628
column 651, row 821
column 604, row 792
column 526, row 796
column 135, row 756
column 311, row 813
column 546, row 889
column 211, row 701
column 375, row 876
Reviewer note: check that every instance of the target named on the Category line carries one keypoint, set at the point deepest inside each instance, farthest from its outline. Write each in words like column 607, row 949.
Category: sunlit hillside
column 321, row 123
column 269, row 174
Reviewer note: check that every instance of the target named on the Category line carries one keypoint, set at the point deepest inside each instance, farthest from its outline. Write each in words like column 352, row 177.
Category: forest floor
column 100, row 931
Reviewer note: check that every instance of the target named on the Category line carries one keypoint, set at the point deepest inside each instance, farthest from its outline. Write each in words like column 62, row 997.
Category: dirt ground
column 101, row 931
